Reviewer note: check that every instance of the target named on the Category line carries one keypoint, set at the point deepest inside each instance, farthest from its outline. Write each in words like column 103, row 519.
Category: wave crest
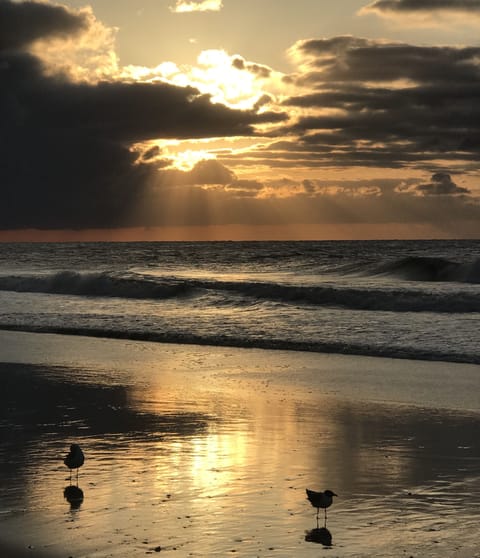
column 420, row 268
column 239, row 293
column 93, row 284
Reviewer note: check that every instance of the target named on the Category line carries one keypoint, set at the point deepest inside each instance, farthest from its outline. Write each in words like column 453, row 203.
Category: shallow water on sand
column 201, row 452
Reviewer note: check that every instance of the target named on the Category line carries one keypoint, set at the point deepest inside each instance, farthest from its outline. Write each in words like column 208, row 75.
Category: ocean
column 401, row 299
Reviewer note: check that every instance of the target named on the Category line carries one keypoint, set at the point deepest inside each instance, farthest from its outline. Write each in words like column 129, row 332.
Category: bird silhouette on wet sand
column 321, row 500
column 74, row 460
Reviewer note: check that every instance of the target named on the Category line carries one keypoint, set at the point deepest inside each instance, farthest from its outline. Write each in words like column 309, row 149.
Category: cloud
column 78, row 148
column 204, row 172
column 69, row 41
column 23, row 23
column 229, row 79
column 425, row 12
column 424, row 5
column 353, row 59
column 441, row 184
column 182, row 6
column 245, row 188
column 66, row 145
column 257, row 69
column 377, row 103
column 314, row 202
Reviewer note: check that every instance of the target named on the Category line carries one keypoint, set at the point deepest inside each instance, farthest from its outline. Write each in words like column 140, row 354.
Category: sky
column 239, row 119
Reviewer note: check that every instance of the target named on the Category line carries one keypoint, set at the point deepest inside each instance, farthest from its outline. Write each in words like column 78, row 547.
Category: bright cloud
column 230, row 80
column 183, row 6
column 88, row 56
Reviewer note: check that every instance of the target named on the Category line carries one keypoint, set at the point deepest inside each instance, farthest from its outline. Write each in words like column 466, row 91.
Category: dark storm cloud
column 65, row 157
column 403, row 6
column 23, row 23
column 132, row 112
column 387, row 104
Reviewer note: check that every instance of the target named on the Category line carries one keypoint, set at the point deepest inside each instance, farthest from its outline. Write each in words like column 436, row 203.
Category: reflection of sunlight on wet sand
column 250, row 436
column 218, row 457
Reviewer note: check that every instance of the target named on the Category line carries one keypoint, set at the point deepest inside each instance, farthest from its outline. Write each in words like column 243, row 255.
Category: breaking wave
column 235, row 293
column 418, row 268
column 93, row 284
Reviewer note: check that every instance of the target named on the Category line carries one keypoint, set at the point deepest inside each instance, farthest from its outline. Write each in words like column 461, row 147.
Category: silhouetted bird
column 321, row 500
column 74, row 459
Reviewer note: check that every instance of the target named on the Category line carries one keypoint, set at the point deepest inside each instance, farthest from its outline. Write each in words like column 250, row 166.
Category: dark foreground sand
column 198, row 451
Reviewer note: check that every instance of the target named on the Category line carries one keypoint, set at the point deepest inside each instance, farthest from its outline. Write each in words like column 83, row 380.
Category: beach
column 239, row 279
column 207, row 451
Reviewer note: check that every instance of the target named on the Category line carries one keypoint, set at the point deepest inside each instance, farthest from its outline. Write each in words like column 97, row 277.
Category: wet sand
column 202, row 451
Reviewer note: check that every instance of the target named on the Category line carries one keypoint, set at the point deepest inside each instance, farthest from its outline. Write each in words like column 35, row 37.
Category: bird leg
column 325, row 522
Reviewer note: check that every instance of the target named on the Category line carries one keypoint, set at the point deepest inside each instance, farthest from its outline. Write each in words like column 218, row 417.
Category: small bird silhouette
column 321, row 500
column 75, row 459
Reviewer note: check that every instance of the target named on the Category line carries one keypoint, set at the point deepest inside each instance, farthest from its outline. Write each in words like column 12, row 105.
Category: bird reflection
column 319, row 536
column 74, row 460
column 74, row 496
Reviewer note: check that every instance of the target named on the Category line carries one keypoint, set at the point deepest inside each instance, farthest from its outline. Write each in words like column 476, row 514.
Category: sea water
column 403, row 299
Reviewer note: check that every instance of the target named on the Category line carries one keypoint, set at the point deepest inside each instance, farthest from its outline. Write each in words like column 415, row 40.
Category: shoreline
column 375, row 379
column 289, row 346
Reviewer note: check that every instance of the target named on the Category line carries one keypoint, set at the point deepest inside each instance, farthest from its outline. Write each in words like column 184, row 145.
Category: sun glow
column 186, row 160
column 229, row 85
column 229, row 80
column 185, row 154
column 180, row 155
